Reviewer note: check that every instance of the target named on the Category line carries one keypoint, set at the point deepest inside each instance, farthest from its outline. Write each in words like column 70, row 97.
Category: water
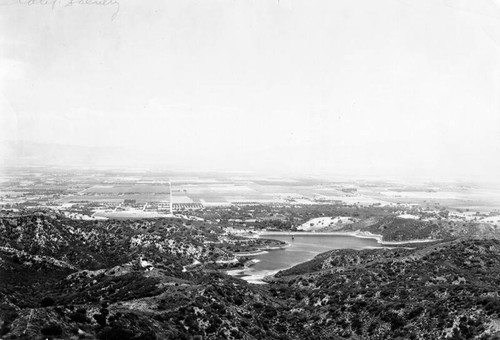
column 302, row 248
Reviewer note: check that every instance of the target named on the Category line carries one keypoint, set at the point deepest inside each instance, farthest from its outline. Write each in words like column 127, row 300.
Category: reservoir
column 302, row 248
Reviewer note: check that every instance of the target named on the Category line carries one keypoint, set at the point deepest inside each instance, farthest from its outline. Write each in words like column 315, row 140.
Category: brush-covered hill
column 159, row 279
column 62, row 278
column 398, row 229
column 443, row 290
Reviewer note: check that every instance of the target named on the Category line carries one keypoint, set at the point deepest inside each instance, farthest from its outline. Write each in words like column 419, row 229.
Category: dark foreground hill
column 64, row 279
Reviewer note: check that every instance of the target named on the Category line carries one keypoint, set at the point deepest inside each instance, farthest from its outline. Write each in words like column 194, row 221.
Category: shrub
column 8, row 318
column 51, row 329
column 47, row 301
column 100, row 319
column 115, row 333
column 79, row 317
column 258, row 305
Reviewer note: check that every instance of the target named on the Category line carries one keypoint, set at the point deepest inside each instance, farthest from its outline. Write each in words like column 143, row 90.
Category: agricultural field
column 129, row 189
column 108, row 188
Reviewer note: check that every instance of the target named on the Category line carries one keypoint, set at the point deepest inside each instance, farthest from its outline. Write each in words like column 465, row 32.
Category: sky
column 393, row 88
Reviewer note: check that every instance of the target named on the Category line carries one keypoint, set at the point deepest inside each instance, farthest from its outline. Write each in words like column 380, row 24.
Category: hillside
column 401, row 229
column 95, row 279
column 444, row 290
column 161, row 279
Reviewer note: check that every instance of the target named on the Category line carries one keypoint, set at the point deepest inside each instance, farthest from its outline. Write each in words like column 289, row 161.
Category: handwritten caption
column 53, row 4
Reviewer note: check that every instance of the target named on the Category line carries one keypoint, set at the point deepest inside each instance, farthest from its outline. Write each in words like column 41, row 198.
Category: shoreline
column 358, row 234
column 261, row 279
column 264, row 250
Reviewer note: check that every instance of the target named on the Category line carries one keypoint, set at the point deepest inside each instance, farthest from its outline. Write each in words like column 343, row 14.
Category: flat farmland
column 216, row 192
column 181, row 199
column 213, row 190
column 128, row 189
column 217, row 188
column 284, row 189
column 255, row 198
column 140, row 198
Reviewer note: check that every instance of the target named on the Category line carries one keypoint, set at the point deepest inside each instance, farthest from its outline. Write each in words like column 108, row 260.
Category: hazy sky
column 395, row 88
